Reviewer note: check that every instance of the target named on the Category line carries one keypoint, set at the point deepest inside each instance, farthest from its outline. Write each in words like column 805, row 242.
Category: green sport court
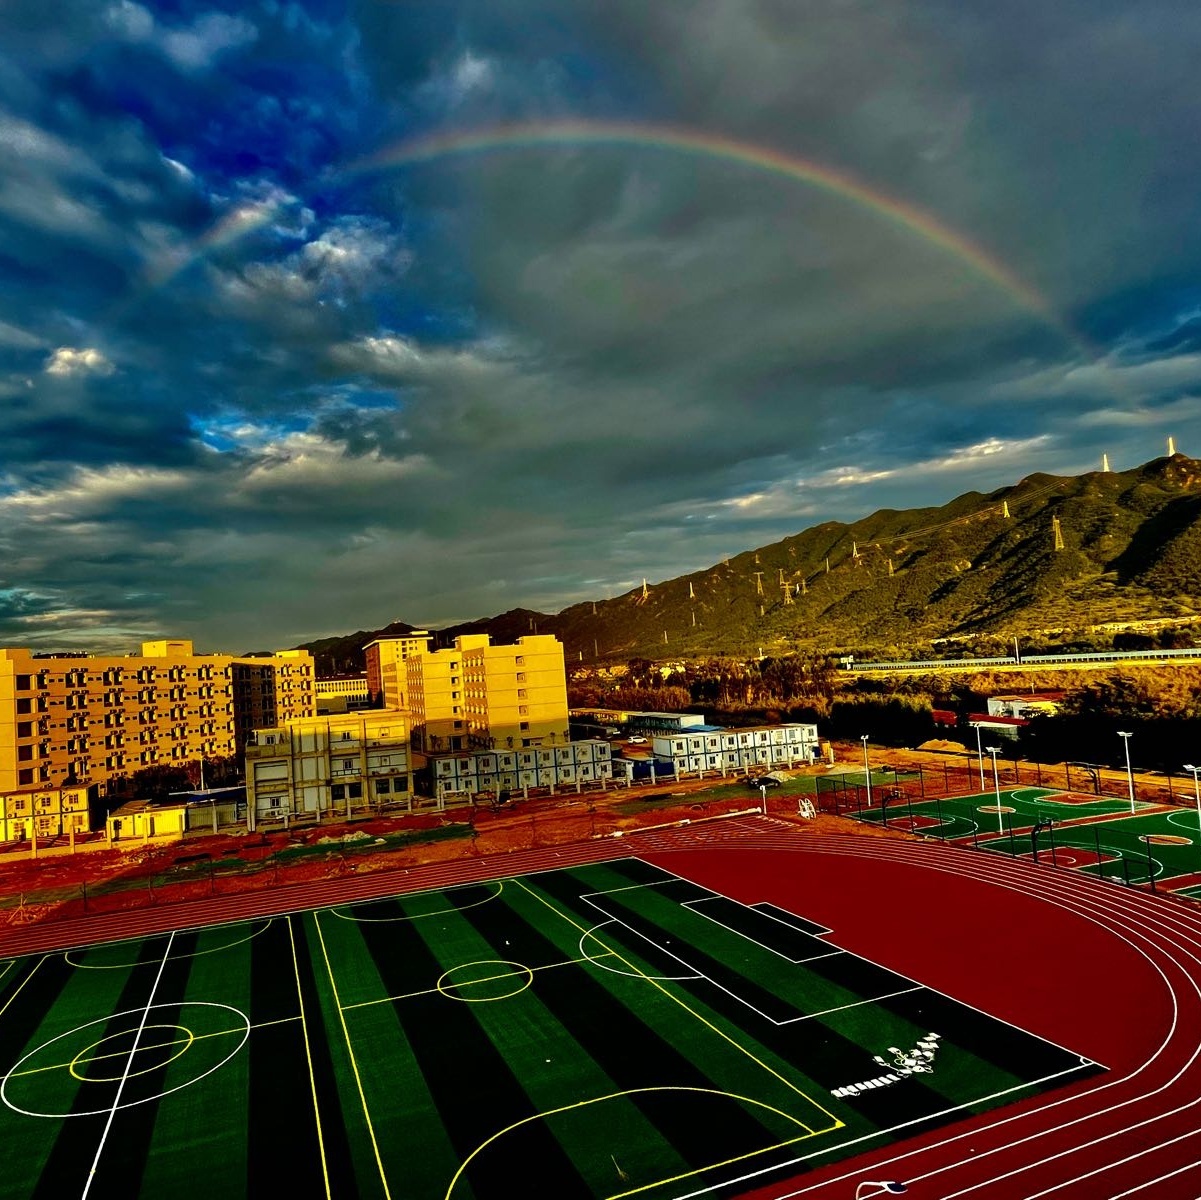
column 1097, row 835
column 611, row 1031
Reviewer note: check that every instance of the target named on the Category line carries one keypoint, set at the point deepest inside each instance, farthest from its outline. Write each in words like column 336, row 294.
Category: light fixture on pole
column 996, row 783
column 1129, row 773
column 867, row 771
column 886, row 1187
column 1194, row 771
column 979, row 753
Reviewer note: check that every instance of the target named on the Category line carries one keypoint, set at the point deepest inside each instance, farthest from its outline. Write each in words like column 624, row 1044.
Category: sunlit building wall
column 67, row 720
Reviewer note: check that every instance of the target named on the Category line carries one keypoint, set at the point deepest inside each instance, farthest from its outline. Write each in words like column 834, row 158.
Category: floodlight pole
column 1129, row 773
column 1195, row 771
column 996, row 782
column 867, row 771
column 980, row 754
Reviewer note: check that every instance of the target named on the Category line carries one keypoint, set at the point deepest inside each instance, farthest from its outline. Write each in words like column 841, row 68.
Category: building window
column 24, row 777
column 383, row 787
column 338, row 791
column 525, row 724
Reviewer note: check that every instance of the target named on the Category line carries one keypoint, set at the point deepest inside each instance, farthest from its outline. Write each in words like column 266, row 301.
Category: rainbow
column 567, row 133
column 232, row 227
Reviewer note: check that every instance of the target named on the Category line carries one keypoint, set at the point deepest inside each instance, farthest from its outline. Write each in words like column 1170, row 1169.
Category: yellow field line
column 198, row 1037
column 354, row 1066
column 692, row 1012
column 308, row 1054
column 570, row 962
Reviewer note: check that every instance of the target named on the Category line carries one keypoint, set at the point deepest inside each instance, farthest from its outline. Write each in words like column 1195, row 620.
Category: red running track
column 1092, row 966
column 1109, row 972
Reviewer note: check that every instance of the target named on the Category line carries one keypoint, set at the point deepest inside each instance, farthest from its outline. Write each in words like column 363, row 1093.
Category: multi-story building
column 476, row 695
column 46, row 812
column 76, row 719
column 461, row 776
column 713, row 749
column 386, row 679
column 317, row 767
column 341, row 693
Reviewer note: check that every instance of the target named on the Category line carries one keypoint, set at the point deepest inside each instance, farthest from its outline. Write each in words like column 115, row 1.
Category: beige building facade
column 386, row 657
column 479, row 696
column 45, row 812
column 328, row 766
column 70, row 720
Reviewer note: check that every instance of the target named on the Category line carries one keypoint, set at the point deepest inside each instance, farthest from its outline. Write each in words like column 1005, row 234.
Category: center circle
column 488, row 979
column 80, row 1065
column 46, row 1081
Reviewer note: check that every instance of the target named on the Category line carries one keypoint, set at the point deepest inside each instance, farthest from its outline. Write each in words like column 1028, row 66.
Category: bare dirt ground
column 97, row 878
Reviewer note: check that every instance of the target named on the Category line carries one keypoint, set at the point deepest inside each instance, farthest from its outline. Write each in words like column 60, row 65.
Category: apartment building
column 335, row 765
column 386, row 656
column 76, row 719
column 477, row 695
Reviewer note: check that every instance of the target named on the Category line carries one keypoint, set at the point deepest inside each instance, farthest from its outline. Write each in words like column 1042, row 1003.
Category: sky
column 316, row 316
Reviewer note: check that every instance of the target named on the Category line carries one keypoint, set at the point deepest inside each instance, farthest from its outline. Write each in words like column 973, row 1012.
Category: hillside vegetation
column 981, row 566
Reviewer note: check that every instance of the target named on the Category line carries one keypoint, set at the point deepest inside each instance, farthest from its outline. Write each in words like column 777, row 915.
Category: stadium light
column 1194, row 771
column 887, row 1187
column 1129, row 773
column 867, row 771
column 980, row 753
column 996, row 782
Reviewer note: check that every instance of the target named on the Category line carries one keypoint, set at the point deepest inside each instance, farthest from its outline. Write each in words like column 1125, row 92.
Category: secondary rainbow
column 564, row 134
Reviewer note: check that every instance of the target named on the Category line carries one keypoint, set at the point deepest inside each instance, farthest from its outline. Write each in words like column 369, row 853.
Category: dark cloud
column 253, row 393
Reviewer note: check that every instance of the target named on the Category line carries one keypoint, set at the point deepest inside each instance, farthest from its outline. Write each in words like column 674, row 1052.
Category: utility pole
column 1171, row 446
column 1005, row 509
column 645, row 593
column 1105, row 462
column 691, row 593
column 890, row 568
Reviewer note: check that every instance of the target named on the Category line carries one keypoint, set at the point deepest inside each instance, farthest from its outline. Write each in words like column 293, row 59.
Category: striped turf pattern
column 601, row 1030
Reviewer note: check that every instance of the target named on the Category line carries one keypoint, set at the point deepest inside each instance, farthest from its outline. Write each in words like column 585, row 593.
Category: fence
column 892, row 794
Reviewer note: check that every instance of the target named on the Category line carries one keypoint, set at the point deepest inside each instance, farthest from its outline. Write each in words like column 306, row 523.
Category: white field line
column 1090, row 902
column 112, row 1112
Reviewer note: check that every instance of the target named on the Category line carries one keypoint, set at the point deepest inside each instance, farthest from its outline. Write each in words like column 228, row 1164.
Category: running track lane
column 1135, row 1131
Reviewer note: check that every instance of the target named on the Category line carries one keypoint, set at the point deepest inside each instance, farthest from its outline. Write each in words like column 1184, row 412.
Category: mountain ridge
column 980, row 564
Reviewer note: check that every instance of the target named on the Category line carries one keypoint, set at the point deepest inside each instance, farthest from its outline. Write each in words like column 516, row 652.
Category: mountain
column 1130, row 550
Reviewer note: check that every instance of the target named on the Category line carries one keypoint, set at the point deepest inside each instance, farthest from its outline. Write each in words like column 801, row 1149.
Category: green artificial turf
column 605, row 1031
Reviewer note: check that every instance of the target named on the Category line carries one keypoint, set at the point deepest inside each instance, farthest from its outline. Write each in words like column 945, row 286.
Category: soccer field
column 604, row 1031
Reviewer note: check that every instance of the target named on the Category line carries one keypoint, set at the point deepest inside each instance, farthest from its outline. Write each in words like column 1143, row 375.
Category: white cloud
column 19, row 339
column 130, row 21
column 192, row 47
column 68, row 361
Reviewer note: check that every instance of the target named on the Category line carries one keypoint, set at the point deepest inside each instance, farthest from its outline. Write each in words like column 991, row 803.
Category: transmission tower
column 759, row 583
column 1057, row 532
